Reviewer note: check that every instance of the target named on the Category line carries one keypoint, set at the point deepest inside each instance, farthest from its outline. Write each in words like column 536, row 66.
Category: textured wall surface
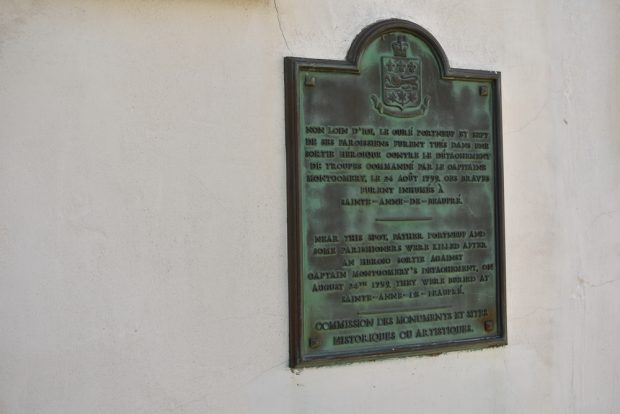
column 143, row 223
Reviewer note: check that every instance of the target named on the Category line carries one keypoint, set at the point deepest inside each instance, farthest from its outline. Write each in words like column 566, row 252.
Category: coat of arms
column 401, row 88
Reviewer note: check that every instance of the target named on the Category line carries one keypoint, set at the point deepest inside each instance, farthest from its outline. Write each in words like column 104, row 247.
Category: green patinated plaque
column 394, row 201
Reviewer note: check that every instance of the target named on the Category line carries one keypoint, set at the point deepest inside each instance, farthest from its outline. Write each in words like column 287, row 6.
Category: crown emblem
column 400, row 46
column 401, row 82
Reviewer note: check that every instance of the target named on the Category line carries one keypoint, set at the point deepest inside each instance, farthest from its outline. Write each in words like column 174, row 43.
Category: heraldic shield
column 401, row 84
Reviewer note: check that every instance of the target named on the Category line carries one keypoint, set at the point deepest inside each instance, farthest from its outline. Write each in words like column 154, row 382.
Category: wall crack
column 275, row 5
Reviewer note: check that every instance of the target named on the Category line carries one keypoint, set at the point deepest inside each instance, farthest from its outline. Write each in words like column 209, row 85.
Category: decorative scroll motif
column 401, row 84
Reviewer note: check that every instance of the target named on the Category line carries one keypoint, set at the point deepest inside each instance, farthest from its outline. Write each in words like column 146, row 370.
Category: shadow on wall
column 237, row 3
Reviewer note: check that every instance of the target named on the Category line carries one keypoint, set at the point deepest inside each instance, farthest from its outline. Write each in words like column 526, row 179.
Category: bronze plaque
column 395, row 213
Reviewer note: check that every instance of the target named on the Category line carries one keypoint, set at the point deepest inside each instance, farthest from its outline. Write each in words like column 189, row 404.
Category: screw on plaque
column 310, row 81
column 483, row 90
column 314, row 342
column 488, row 325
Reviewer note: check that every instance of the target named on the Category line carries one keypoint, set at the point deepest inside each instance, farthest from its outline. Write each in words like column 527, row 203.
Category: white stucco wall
column 143, row 222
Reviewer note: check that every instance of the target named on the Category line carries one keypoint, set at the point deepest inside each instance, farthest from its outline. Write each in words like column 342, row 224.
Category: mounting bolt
column 483, row 90
column 310, row 80
column 488, row 325
column 314, row 342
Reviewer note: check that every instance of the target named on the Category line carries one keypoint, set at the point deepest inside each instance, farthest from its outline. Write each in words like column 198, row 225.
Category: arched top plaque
column 395, row 206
